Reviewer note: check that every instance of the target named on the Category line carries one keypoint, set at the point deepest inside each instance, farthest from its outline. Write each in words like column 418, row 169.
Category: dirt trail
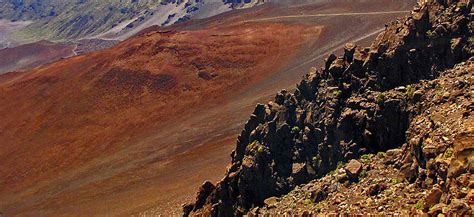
column 326, row 15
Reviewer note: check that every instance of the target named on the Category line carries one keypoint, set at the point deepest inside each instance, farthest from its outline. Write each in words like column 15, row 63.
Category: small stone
column 376, row 189
column 392, row 155
column 299, row 172
column 319, row 195
column 410, row 172
column 306, row 213
column 369, row 201
column 253, row 212
column 341, row 178
column 271, row 201
column 446, row 95
column 417, row 95
column 458, row 207
column 206, row 75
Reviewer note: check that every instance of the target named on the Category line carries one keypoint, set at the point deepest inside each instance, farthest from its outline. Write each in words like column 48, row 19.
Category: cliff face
column 349, row 109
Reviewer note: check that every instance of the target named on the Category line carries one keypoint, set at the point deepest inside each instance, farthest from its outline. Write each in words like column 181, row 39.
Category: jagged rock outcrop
column 343, row 111
column 431, row 175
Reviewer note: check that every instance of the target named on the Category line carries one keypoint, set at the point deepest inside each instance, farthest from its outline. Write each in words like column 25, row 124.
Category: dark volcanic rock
column 376, row 189
column 343, row 112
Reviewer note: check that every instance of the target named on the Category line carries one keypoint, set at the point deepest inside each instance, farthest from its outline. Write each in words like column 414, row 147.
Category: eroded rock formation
column 343, row 111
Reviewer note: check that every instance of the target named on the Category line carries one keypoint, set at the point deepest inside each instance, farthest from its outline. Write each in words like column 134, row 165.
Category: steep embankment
column 350, row 109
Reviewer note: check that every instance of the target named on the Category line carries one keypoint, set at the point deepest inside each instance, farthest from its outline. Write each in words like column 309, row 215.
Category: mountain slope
column 135, row 128
column 348, row 110
column 77, row 19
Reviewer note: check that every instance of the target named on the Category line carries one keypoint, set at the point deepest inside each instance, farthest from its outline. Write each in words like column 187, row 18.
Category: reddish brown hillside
column 32, row 55
column 67, row 113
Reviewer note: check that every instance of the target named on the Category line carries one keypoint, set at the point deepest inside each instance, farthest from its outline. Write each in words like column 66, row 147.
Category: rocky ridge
column 392, row 182
column 364, row 102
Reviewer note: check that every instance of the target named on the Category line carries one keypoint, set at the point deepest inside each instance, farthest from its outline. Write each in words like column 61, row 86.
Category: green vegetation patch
column 295, row 130
column 380, row 98
column 410, row 92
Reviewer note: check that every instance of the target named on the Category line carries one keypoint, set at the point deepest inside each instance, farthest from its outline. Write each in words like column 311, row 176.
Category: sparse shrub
column 312, row 70
column 261, row 149
column 337, row 93
column 252, row 145
column 380, row 98
column 365, row 158
column 295, row 130
column 419, row 204
column 307, row 202
column 394, row 181
column 410, row 92
column 381, row 154
column 471, row 39
column 363, row 173
column 430, row 34
column 318, row 209
column 448, row 153
column 316, row 162
column 461, row 5
column 340, row 165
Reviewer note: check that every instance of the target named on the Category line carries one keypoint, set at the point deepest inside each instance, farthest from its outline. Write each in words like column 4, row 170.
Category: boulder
column 463, row 152
column 353, row 169
column 187, row 209
column 329, row 60
column 337, row 68
column 433, row 197
column 204, row 191
column 299, row 173
column 349, row 49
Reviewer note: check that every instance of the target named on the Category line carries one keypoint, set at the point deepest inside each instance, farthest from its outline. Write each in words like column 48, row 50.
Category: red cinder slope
column 58, row 117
